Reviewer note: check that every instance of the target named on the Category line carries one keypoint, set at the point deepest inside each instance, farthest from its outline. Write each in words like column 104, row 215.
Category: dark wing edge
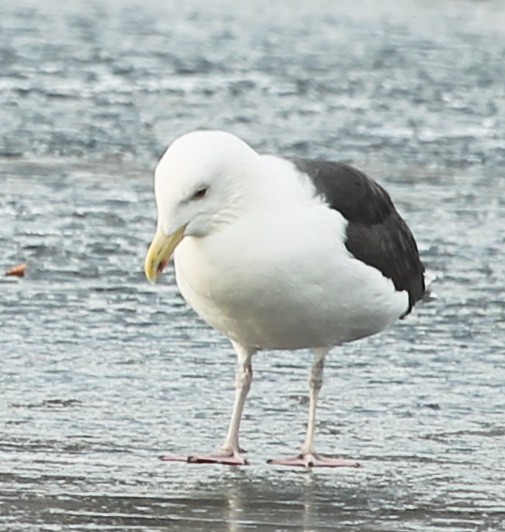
column 376, row 233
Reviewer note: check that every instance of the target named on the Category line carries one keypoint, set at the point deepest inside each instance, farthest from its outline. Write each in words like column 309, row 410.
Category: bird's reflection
column 281, row 500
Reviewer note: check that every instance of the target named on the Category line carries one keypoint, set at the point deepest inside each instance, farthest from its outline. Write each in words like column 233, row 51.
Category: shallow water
column 101, row 372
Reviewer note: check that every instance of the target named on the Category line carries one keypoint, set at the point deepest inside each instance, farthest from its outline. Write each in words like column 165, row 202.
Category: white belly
column 266, row 286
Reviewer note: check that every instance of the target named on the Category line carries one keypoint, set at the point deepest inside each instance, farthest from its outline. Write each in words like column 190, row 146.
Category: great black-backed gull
column 280, row 253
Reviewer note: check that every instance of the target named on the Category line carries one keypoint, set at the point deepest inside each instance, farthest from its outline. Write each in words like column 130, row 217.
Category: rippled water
column 101, row 372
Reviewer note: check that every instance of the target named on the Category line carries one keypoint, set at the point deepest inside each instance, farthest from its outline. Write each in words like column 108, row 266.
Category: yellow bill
column 160, row 251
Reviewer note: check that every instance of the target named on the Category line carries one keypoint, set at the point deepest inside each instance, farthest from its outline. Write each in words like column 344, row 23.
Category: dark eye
column 200, row 193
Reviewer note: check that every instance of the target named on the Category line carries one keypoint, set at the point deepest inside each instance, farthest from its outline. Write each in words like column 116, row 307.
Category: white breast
column 285, row 282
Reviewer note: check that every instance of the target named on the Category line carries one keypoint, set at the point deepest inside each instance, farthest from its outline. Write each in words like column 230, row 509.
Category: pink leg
column 308, row 456
column 230, row 452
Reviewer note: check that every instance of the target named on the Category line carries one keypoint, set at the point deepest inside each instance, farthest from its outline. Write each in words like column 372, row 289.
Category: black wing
column 376, row 234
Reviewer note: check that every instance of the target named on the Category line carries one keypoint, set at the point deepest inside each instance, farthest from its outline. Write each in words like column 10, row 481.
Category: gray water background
column 101, row 373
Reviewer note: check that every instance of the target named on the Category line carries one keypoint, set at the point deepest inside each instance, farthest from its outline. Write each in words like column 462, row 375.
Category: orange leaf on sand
column 18, row 270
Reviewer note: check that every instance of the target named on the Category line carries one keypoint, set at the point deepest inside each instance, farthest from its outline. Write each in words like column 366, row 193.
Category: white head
column 199, row 186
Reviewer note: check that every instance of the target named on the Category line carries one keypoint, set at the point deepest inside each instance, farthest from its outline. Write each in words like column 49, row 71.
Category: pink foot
column 234, row 458
column 313, row 460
